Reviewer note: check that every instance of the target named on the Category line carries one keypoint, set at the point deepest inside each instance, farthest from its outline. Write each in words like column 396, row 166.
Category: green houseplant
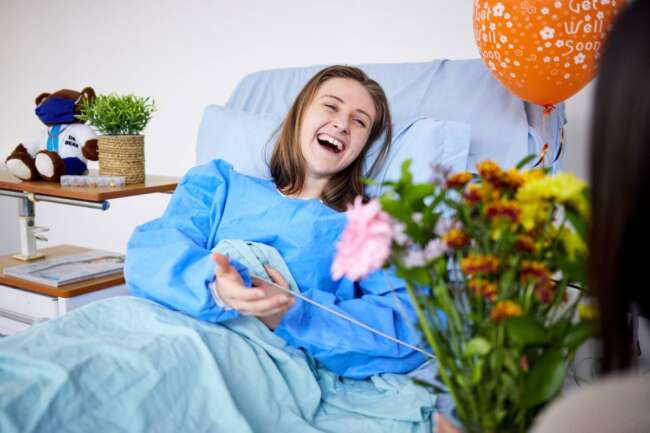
column 120, row 120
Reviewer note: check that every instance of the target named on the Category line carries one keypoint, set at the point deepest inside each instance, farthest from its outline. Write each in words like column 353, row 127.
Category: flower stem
column 436, row 348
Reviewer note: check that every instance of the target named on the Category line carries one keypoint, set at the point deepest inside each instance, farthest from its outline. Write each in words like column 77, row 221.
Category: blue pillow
column 246, row 141
column 425, row 141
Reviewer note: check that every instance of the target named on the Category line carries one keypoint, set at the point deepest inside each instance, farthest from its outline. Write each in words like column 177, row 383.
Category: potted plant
column 495, row 254
column 120, row 120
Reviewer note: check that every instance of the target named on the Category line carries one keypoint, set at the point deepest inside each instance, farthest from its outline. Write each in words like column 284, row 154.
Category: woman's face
column 335, row 126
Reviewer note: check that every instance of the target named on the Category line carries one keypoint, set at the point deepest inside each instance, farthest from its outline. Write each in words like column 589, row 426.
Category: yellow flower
column 563, row 188
column 533, row 213
column 496, row 233
column 531, row 175
column 459, row 180
column 505, row 309
column 573, row 243
column 588, row 311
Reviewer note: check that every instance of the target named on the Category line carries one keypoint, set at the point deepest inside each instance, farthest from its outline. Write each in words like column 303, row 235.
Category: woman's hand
column 262, row 300
column 444, row 426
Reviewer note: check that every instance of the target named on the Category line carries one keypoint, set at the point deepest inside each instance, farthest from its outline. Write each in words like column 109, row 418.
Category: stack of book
column 69, row 269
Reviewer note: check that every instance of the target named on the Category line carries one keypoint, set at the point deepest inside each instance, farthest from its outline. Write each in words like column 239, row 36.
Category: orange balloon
column 543, row 51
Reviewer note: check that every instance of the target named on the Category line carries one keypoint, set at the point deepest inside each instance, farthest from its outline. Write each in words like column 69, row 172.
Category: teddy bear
column 65, row 146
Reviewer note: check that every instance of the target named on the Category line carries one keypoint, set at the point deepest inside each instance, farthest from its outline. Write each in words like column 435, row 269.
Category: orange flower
column 525, row 243
column 484, row 288
column 544, row 291
column 544, row 285
column 536, row 270
column 474, row 264
column 503, row 209
column 474, row 193
column 512, row 178
column 455, row 238
column 459, row 180
column 489, row 170
column 490, row 292
column 523, row 363
column 505, row 309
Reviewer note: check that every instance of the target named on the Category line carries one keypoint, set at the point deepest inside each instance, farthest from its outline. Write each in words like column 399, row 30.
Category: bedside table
column 22, row 302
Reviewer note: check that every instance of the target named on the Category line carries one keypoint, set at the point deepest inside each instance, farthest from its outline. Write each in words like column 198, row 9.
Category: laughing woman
column 317, row 169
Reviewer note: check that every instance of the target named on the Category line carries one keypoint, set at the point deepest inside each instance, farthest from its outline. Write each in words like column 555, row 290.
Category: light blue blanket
column 129, row 365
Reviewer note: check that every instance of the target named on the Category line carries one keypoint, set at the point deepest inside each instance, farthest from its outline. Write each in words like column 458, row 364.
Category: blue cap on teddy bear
column 56, row 110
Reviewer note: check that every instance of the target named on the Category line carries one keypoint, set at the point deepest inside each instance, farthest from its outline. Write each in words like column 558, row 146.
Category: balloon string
column 542, row 155
column 559, row 151
column 548, row 109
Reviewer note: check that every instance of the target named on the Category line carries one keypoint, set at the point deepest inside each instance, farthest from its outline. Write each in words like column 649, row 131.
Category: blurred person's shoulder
column 617, row 404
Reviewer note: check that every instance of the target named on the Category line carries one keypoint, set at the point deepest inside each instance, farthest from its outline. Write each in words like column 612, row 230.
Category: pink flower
column 365, row 243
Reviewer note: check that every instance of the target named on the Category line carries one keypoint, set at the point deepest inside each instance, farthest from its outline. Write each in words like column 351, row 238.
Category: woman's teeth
column 330, row 143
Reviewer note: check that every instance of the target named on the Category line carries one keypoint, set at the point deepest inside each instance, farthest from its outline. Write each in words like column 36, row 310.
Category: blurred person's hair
column 620, row 182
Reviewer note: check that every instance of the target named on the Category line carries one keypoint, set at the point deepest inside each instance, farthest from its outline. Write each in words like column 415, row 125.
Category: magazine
column 69, row 269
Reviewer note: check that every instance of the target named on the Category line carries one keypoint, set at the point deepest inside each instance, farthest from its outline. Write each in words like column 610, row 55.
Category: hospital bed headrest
column 503, row 127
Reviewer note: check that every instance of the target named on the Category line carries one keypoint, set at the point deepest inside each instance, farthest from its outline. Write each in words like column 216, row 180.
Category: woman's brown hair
column 287, row 162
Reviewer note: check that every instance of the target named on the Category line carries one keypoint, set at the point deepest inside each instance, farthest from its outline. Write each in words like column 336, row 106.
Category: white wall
column 187, row 54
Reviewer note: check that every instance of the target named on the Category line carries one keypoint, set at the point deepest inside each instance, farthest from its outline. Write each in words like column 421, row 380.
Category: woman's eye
column 331, row 107
column 360, row 122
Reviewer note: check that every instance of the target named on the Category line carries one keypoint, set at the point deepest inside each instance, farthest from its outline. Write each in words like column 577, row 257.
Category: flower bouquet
column 488, row 260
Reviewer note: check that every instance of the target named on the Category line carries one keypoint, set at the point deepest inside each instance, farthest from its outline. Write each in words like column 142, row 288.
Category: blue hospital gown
column 169, row 261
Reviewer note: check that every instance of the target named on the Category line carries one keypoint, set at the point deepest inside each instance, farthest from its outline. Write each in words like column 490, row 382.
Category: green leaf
column 574, row 270
column 407, row 177
column 508, row 386
column 477, row 372
column 545, row 379
column 510, row 361
column 477, row 346
column 420, row 191
column 579, row 334
column 417, row 275
column 395, row 208
column 521, row 164
column 506, row 282
column 526, row 330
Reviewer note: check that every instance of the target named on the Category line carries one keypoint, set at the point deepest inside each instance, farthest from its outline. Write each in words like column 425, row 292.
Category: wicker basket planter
column 122, row 155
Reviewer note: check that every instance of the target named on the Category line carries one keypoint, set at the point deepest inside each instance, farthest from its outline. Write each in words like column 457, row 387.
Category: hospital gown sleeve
column 168, row 260
column 344, row 347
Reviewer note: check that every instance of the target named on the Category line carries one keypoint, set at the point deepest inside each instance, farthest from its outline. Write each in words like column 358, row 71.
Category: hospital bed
column 127, row 364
